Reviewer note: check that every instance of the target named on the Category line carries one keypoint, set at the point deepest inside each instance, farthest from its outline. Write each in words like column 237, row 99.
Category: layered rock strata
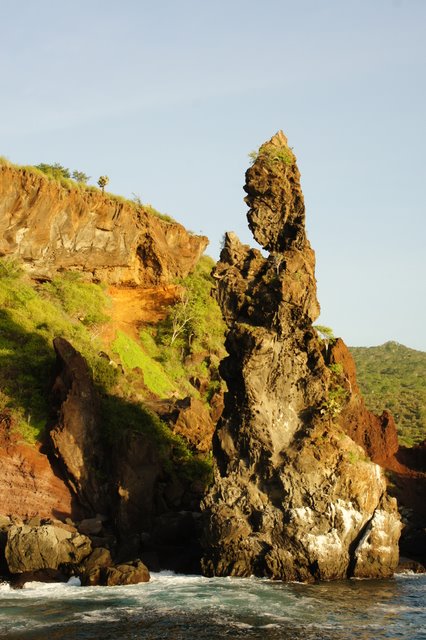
column 52, row 228
column 28, row 484
column 294, row 497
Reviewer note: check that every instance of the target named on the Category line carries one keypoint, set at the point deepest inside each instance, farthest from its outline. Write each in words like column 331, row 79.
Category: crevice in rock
column 357, row 541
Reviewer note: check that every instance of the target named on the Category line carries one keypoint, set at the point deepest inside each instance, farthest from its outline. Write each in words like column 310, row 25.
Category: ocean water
column 179, row 607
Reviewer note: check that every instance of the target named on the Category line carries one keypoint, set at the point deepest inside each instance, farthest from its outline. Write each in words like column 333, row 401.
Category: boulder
column 90, row 571
column 18, row 580
column 194, row 423
column 122, row 574
column 90, row 526
column 30, row 549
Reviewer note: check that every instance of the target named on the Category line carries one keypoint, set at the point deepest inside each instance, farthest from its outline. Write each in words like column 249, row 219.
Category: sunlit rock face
column 52, row 228
column 294, row 497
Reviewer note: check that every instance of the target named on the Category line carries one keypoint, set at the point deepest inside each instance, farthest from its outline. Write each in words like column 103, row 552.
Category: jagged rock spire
column 293, row 498
column 277, row 211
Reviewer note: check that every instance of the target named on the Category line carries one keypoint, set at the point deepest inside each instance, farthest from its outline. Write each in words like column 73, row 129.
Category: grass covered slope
column 30, row 317
column 393, row 377
column 157, row 365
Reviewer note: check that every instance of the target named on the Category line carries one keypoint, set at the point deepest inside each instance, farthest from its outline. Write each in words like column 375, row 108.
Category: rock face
column 76, row 438
column 52, row 228
column 294, row 497
column 376, row 434
column 30, row 549
column 137, row 470
column 28, row 484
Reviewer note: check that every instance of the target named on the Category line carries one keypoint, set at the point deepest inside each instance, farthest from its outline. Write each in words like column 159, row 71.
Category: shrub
column 80, row 176
column 133, row 356
column 272, row 154
column 55, row 170
column 195, row 322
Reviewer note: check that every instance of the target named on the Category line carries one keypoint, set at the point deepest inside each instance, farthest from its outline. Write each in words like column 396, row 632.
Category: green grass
column 198, row 349
column 272, row 154
column 393, row 377
column 30, row 317
column 81, row 300
column 133, row 356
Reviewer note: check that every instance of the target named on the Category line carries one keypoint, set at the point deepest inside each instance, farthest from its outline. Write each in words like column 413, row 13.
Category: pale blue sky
column 167, row 98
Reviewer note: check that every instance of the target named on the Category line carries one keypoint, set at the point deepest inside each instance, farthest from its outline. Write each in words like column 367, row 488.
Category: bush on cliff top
column 78, row 180
column 272, row 154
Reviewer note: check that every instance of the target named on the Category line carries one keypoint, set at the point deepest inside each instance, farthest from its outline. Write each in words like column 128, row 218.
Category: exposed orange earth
column 132, row 307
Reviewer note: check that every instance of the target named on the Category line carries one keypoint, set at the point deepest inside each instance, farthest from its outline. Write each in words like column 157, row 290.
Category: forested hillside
column 392, row 376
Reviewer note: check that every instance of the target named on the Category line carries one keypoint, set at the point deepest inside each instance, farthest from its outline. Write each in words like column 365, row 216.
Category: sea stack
column 294, row 497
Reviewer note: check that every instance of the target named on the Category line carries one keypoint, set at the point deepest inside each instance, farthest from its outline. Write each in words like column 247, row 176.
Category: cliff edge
column 52, row 228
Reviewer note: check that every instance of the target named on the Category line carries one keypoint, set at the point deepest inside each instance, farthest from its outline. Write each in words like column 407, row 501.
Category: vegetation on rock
column 32, row 314
column 78, row 180
column 189, row 342
column 273, row 153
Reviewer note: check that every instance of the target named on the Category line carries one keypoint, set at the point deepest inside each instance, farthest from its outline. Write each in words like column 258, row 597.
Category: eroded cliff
column 52, row 228
column 294, row 497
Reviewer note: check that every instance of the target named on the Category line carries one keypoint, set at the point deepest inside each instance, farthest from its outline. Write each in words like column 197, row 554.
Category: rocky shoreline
column 46, row 550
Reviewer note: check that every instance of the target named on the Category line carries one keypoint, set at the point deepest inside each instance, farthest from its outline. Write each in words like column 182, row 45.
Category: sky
column 167, row 98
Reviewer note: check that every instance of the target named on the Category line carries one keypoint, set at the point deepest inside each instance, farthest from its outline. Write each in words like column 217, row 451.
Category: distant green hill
column 393, row 377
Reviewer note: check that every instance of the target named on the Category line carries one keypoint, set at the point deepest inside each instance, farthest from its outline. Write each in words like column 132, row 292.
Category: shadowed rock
column 76, row 438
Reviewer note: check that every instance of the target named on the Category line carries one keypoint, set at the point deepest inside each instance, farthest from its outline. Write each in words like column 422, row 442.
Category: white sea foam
column 258, row 605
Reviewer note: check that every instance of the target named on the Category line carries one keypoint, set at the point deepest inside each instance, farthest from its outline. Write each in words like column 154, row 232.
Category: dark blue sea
column 190, row 607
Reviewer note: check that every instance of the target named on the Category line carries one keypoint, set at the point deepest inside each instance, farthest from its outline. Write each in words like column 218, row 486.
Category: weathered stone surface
column 91, row 570
column 194, row 423
column 129, row 573
column 136, row 472
column 378, row 437
column 294, row 497
column 90, row 526
column 76, row 439
column 30, row 549
column 53, row 228
column 377, row 550
column 29, row 485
